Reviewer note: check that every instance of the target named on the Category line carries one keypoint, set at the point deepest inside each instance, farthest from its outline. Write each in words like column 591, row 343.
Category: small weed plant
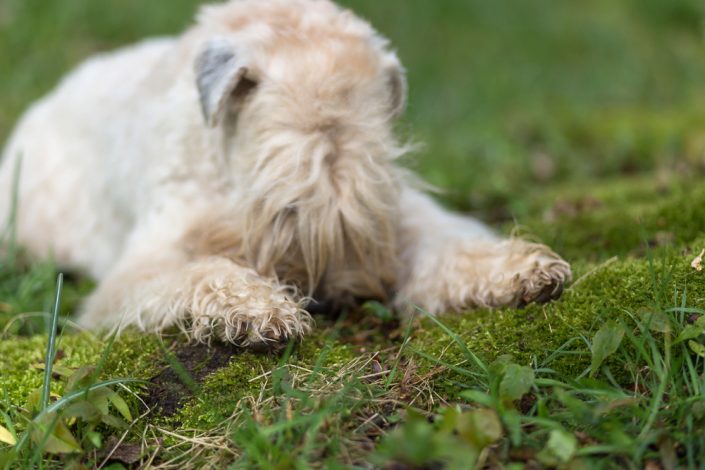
column 51, row 424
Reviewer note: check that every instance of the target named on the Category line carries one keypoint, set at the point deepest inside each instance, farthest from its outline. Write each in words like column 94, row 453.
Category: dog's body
column 220, row 178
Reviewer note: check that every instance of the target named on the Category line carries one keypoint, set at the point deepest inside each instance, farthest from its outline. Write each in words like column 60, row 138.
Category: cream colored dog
column 220, row 179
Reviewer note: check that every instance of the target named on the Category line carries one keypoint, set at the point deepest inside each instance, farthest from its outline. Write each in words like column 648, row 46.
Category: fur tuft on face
column 315, row 212
column 323, row 215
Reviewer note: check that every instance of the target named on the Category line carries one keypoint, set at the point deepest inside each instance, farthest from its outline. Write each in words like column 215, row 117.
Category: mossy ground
column 578, row 124
column 614, row 278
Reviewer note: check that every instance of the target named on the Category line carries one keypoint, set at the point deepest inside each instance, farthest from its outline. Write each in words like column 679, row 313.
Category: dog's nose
column 319, row 307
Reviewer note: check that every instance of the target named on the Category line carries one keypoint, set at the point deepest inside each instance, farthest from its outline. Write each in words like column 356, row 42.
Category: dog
column 220, row 180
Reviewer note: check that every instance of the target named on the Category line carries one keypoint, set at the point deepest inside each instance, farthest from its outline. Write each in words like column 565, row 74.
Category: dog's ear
column 220, row 76
column 396, row 83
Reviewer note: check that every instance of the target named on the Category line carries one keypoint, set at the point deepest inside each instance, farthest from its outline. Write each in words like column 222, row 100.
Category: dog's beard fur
column 318, row 210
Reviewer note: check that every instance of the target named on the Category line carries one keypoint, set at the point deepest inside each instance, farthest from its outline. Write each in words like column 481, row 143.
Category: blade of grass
column 405, row 342
column 9, row 424
column 104, row 357
column 63, row 322
column 51, row 346
column 439, row 362
column 321, row 359
column 697, row 311
column 456, row 339
column 657, row 400
column 181, row 372
column 561, row 350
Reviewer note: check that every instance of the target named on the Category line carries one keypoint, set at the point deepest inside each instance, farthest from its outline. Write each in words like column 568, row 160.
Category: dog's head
column 312, row 51
column 305, row 94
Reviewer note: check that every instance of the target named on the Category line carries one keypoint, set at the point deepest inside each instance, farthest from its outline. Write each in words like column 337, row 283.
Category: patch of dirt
column 526, row 403
column 365, row 330
column 167, row 390
column 365, row 324
column 127, row 453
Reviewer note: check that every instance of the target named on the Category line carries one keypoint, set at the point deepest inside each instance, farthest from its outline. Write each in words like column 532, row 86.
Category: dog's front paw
column 254, row 316
column 509, row 273
column 543, row 281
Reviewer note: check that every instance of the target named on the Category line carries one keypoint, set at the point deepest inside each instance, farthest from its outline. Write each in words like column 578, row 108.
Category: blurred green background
column 507, row 95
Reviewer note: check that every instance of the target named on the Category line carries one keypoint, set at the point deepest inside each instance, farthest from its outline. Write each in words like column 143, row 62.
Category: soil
column 167, row 391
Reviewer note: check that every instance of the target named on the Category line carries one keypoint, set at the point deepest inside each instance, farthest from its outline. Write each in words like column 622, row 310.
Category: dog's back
column 63, row 151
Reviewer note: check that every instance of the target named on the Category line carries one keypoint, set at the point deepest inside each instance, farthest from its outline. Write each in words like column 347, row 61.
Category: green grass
column 581, row 124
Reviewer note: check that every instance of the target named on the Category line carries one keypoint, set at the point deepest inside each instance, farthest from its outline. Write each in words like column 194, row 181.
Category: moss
column 618, row 218
column 130, row 356
column 246, row 374
column 223, row 389
column 323, row 345
column 18, row 378
column 139, row 356
column 601, row 292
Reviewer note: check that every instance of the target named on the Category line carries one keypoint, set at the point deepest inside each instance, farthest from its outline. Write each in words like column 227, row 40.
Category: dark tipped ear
column 219, row 71
column 396, row 82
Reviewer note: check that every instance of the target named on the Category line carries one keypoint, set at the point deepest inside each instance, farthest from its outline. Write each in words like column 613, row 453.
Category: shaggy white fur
column 220, row 179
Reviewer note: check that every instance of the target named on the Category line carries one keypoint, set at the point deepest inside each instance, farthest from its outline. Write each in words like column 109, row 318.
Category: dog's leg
column 208, row 297
column 454, row 263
